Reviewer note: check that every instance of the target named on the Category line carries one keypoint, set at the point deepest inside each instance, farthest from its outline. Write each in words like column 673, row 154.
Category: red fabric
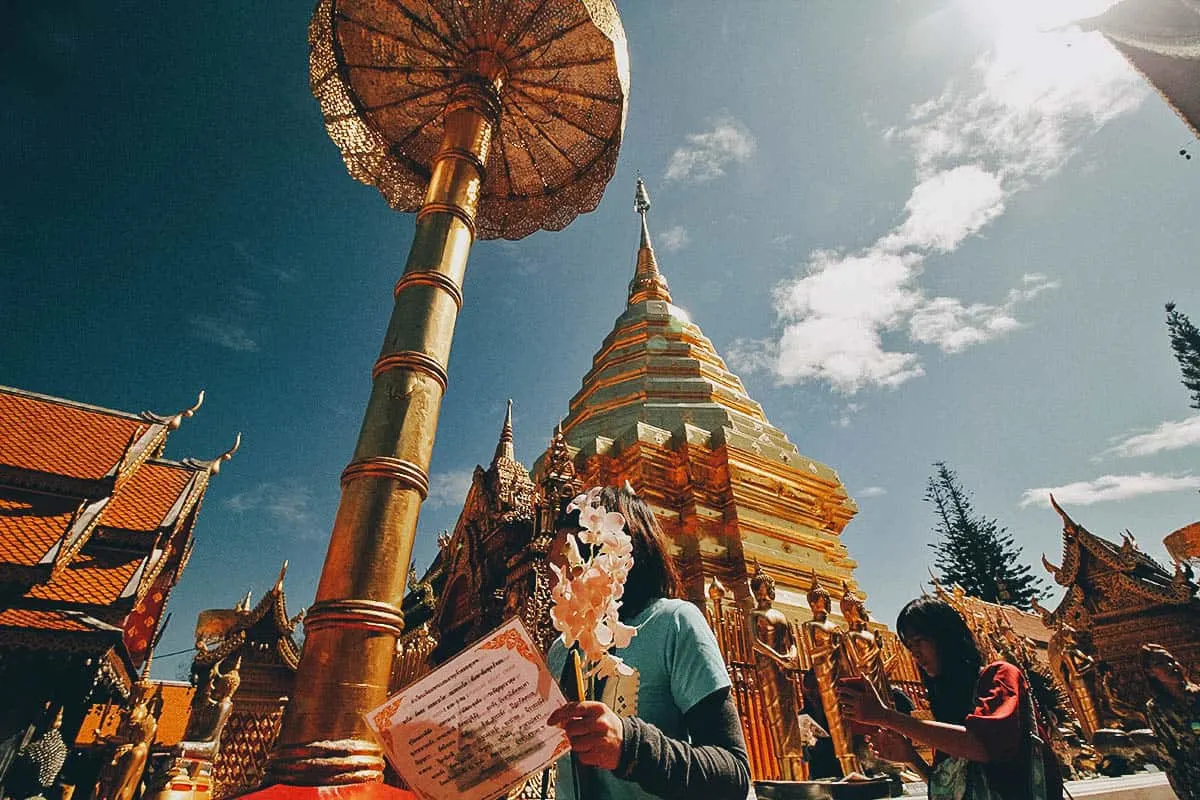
column 350, row 791
column 996, row 720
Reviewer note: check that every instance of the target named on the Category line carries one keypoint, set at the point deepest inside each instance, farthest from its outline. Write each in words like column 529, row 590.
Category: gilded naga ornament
column 826, row 644
column 777, row 662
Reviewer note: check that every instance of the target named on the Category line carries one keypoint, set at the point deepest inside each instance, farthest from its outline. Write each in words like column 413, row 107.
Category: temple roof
column 175, row 698
column 95, row 526
column 656, row 367
column 266, row 625
column 1161, row 40
column 1103, row 577
column 1167, row 27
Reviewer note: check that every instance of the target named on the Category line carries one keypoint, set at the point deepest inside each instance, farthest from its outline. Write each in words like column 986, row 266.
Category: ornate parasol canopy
column 384, row 70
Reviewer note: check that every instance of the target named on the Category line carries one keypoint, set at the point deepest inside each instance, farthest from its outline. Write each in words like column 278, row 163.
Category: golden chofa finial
column 214, row 466
column 279, row 580
column 187, row 413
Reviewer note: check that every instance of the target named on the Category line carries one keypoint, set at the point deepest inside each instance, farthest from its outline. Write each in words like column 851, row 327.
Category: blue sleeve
column 693, row 659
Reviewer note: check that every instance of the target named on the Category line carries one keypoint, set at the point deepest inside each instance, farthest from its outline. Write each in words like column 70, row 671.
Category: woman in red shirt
column 983, row 726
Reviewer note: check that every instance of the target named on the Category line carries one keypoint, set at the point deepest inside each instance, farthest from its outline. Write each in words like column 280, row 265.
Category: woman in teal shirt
column 671, row 729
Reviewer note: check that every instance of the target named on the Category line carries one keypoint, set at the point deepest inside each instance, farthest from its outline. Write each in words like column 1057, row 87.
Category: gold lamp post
column 488, row 118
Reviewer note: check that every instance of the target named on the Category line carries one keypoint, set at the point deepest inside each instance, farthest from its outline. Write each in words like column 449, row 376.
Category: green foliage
column 974, row 551
column 1185, row 341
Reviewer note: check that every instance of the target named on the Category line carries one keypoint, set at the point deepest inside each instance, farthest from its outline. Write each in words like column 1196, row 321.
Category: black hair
column 653, row 574
column 952, row 691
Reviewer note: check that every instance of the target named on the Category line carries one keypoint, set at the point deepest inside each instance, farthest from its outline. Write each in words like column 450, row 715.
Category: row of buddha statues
column 832, row 653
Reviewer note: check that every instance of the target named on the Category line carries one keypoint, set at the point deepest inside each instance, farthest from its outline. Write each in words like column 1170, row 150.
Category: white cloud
column 706, row 155
column 953, row 326
column 1014, row 119
column 224, row 332
column 285, row 501
column 872, row 491
column 946, row 208
column 674, row 238
column 449, row 488
column 1110, row 487
column 1167, row 436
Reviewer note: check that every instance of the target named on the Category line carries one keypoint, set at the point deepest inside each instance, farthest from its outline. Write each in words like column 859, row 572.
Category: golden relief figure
column 121, row 777
column 826, row 648
column 1073, row 664
column 777, row 662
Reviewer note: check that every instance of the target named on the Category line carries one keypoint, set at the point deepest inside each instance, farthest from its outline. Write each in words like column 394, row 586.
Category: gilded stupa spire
column 648, row 283
column 504, row 448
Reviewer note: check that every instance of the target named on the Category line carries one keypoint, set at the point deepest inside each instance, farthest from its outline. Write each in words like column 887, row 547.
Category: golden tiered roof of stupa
column 660, row 408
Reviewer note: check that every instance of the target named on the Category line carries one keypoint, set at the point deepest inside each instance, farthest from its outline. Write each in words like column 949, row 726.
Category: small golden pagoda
column 660, row 409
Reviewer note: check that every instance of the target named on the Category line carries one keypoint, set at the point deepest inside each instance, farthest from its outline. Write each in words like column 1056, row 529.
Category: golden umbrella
column 489, row 118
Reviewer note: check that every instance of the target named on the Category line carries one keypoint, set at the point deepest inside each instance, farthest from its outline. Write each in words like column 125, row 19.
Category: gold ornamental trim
column 430, row 278
column 370, row 615
column 396, row 469
column 413, row 360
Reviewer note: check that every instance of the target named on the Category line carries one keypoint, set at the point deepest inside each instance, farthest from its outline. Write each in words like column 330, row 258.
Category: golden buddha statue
column 120, row 778
column 192, row 762
column 864, row 655
column 777, row 662
column 1073, row 664
column 825, row 644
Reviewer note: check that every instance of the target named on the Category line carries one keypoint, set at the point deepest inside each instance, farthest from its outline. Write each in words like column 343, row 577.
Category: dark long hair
column 653, row 574
column 952, row 691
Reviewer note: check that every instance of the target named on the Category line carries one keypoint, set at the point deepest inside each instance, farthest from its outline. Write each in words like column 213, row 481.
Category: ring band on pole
column 388, row 468
column 413, row 360
column 430, row 278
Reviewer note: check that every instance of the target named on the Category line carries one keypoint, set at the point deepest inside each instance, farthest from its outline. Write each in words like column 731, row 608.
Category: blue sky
column 919, row 231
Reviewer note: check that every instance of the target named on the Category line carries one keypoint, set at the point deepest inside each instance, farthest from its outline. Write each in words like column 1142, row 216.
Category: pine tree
column 974, row 551
column 1185, row 341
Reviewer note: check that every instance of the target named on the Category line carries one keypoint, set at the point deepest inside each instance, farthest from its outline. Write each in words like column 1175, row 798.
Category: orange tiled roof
column 172, row 722
column 41, row 620
column 141, row 502
column 30, row 524
column 42, row 434
column 95, row 578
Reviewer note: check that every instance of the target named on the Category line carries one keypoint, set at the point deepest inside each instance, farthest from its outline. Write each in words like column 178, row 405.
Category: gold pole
column 352, row 628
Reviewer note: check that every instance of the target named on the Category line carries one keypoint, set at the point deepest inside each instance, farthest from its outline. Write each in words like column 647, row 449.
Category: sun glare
column 1035, row 16
column 1038, row 53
